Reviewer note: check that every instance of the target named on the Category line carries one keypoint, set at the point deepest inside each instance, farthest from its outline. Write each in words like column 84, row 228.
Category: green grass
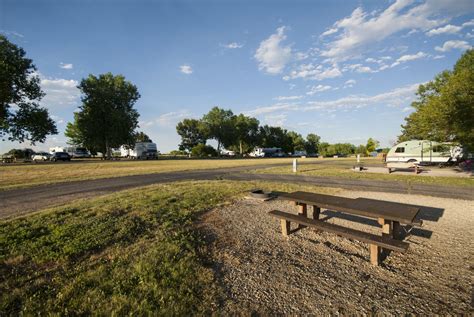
column 15, row 176
column 342, row 170
column 136, row 252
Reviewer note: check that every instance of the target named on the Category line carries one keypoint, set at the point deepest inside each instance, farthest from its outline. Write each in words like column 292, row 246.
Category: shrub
column 202, row 150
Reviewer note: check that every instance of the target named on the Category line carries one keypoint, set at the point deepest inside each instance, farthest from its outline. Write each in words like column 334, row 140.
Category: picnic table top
column 360, row 206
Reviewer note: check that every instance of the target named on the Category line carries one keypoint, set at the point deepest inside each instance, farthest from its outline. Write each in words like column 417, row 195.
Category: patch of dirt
column 314, row 272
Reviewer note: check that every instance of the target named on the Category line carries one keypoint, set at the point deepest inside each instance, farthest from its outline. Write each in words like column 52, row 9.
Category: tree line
column 242, row 134
column 238, row 133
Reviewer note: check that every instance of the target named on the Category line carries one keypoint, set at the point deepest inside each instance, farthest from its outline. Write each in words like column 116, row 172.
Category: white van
column 423, row 151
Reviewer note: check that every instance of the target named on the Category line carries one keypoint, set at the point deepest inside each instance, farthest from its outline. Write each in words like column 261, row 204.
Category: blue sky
column 345, row 70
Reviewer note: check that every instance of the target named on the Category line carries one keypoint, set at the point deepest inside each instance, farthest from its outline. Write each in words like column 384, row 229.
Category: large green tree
column 106, row 118
column 371, row 145
column 220, row 126
column 21, row 116
column 275, row 137
column 192, row 133
column 297, row 141
column 141, row 137
column 444, row 110
column 312, row 143
column 245, row 133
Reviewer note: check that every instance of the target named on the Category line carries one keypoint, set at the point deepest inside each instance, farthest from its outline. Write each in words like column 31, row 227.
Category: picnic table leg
column 387, row 228
column 374, row 254
column 285, row 227
column 316, row 212
column 303, row 211
column 396, row 230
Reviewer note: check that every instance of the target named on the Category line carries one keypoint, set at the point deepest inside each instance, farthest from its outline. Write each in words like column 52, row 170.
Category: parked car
column 60, row 156
column 40, row 156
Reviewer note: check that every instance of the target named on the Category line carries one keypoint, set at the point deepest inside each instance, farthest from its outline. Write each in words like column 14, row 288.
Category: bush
column 202, row 150
column 177, row 153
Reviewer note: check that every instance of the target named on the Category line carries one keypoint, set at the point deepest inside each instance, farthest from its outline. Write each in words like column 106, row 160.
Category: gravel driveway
column 316, row 272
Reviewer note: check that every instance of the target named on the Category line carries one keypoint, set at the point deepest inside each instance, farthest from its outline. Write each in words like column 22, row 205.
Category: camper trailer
column 141, row 150
column 73, row 151
column 423, row 152
column 268, row 152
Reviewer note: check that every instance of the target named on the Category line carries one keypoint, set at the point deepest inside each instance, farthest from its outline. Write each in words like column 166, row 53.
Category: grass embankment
column 15, row 176
column 136, row 252
column 342, row 169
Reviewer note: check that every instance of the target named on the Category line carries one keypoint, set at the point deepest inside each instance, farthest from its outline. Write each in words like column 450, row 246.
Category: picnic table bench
column 388, row 214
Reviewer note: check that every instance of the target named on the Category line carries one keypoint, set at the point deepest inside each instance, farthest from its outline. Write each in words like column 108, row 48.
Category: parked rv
column 225, row 152
column 300, row 154
column 267, row 152
column 141, row 150
column 73, row 151
column 424, row 152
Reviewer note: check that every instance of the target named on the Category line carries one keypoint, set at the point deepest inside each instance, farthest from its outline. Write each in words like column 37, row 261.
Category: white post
column 358, row 158
column 295, row 165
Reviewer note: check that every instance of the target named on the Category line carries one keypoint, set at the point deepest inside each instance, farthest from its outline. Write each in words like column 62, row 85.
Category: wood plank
column 285, row 227
column 367, row 208
column 374, row 254
column 316, row 212
column 383, row 242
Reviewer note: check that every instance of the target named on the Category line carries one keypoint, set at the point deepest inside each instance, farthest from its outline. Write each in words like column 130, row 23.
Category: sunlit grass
column 14, row 176
column 137, row 252
column 342, row 170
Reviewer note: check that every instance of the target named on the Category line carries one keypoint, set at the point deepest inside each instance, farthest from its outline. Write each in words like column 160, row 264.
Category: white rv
column 141, row 150
column 423, row 151
column 268, row 152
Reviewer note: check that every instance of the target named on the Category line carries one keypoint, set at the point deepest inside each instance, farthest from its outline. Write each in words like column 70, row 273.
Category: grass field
column 14, row 176
column 341, row 168
column 137, row 252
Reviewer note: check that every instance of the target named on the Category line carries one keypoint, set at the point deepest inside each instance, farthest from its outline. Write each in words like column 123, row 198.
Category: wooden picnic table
column 388, row 214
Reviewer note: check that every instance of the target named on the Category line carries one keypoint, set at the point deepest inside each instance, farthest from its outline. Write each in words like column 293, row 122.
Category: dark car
column 60, row 156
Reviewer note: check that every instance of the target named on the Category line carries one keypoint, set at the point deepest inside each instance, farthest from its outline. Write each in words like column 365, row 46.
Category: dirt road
column 22, row 201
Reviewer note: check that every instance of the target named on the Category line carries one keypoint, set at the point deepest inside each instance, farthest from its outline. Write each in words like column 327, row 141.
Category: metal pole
column 295, row 165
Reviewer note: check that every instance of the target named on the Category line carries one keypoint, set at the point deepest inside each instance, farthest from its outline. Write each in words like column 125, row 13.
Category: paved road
column 22, row 201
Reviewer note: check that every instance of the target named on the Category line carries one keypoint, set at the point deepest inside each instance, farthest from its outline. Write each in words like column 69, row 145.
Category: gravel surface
column 314, row 272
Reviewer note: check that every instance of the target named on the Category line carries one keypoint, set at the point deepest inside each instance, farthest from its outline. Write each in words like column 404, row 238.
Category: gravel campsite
column 317, row 272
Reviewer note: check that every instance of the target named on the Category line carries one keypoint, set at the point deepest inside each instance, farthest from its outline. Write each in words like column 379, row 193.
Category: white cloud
column 438, row 56
column 272, row 57
column 275, row 120
column 270, row 109
column 318, row 88
column 468, row 23
column 59, row 92
column 349, row 83
column 396, row 97
column 454, row 44
column 65, row 66
column 314, row 72
column 359, row 68
column 167, row 119
column 361, row 30
column 8, row 33
column 186, row 69
column 329, row 32
column 284, row 98
column 407, row 109
column 447, row 29
column 408, row 57
column 233, row 45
